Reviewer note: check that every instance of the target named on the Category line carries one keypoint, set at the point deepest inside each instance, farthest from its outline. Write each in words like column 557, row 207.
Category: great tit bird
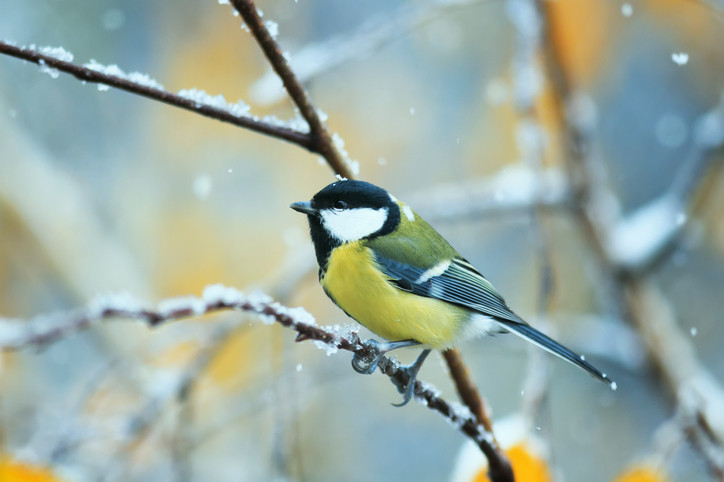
column 393, row 273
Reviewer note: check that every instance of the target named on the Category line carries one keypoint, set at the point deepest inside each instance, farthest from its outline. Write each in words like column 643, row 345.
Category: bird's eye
column 340, row 205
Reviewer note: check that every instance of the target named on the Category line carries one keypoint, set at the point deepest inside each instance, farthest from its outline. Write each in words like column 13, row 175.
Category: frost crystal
column 461, row 414
column 182, row 303
column 53, row 73
column 115, row 71
column 329, row 349
column 339, row 144
column 296, row 123
column 272, row 27
column 56, row 52
column 200, row 97
column 218, row 293
column 115, row 302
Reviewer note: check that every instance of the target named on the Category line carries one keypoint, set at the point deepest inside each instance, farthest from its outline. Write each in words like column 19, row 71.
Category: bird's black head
column 347, row 211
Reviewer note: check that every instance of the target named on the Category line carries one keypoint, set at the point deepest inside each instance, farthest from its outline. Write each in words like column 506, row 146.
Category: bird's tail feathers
column 534, row 336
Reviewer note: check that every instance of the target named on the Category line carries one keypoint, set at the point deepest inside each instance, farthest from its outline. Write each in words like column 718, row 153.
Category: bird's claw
column 366, row 362
column 406, row 390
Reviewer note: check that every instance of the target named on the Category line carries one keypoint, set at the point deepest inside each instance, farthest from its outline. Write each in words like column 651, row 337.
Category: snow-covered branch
column 625, row 245
column 516, row 189
column 321, row 140
column 54, row 60
column 45, row 329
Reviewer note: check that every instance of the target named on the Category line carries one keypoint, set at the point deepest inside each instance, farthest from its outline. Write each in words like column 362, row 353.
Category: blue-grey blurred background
column 103, row 191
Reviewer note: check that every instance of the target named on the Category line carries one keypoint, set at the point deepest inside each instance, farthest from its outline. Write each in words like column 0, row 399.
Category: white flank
column 353, row 224
column 408, row 213
column 480, row 325
column 436, row 270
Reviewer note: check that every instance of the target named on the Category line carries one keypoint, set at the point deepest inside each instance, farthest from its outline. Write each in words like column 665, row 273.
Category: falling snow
column 680, row 58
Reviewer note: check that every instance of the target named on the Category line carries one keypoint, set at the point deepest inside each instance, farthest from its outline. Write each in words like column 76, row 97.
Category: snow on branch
column 515, row 189
column 42, row 330
column 320, row 137
column 55, row 59
column 636, row 241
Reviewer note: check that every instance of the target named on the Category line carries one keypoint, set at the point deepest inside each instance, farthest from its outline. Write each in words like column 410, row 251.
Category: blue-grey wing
column 454, row 281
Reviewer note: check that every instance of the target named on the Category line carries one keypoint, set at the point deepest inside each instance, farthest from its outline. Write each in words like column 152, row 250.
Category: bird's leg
column 367, row 362
column 411, row 370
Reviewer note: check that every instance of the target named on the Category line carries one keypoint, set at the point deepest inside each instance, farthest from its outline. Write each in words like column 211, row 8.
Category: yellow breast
column 364, row 292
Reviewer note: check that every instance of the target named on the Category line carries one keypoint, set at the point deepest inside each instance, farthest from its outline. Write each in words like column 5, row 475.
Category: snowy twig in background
column 693, row 390
column 515, row 189
column 636, row 242
column 141, row 84
column 317, row 58
column 178, row 388
column 17, row 334
column 320, row 138
column 532, row 140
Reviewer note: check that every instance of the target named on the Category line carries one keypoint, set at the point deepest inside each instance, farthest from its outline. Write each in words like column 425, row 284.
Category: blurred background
column 448, row 105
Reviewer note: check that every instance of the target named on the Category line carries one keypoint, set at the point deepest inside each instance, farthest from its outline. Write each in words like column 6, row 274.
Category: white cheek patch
column 353, row 224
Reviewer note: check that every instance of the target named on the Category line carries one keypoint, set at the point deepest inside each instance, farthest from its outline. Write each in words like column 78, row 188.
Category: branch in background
column 17, row 334
column 527, row 80
column 140, row 425
column 514, row 189
column 321, row 140
column 694, row 392
column 317, row 58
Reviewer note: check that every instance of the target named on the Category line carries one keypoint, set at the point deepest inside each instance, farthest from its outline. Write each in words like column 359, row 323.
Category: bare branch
column 500, row 468
column 321, row 141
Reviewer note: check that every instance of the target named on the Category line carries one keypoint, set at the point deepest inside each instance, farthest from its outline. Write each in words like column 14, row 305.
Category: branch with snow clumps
column 44, row 329
column 55, row 59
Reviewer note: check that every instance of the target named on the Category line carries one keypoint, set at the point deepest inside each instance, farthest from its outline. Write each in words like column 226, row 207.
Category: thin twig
column 500, row 468
column 86, row 74
column 321, row 141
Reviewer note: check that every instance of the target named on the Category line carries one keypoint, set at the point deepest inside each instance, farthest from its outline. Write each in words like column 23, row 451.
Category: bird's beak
column 304, row 207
